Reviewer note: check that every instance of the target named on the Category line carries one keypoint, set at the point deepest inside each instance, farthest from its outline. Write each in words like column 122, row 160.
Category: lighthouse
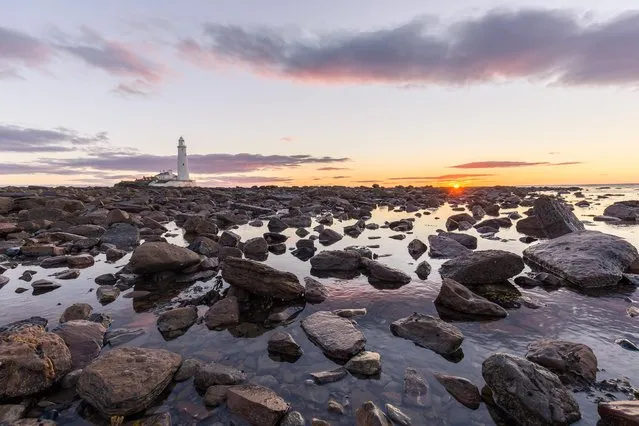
column 182, row 161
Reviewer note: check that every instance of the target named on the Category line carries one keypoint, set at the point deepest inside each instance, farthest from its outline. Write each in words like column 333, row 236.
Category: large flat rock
column 336, row 336
column 261, row 279
column 429, row 332
column 482, row 267
column 586, row 259
column 127, row 380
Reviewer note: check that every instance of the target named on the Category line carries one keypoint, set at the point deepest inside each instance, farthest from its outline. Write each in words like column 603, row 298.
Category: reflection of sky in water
column 595, row 321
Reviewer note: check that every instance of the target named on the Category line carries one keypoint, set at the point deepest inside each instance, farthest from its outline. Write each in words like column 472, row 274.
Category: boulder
column 261, row 279
column 365, row 363
column 229, row 239
column 336, row 260
column 121, row 235
column 315, row 292
column 459, row 298
column 84, row 339
column 573, row 363
column 468, row 241
column 256, row 248
column 329, row 236
column 77, row 311
column 107, row 294
column 223, row 313
column 31, row 359
column 619, row 413
column 423, row 270
column 336, row 336
column 528, row 392
column 276, row 225
column 280, row 343
column 127, row 380
column 218, row 374
column 199, row 225
column 176, row 322
column 585, row 259
column 482, row 267
column 44, row 286
column 205, row 246
column 625, row 210
column 380, row 272
column 258, row 405
column 429, row 332
column 446, row 248
column 156, row 257
column 555, row 217
column 416, row 248
column 80, row 261
column 117, row 216
column 463, row 390
column 369, row 415
column 530, row 226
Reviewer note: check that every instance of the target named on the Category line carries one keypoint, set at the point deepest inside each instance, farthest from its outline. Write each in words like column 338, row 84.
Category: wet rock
column 156, row 257
column 336, row 260
column 120, row 336
column 122, row 236
column 369, row 415
column 89, row 231
column 44, row 286
column 555, row 217
column 397, row 416
column 106, row 279
column 350, row 313
column 274, row 238
column 293, row 418
column 80, row 261
column 10, row 413
column 31, row 359
column 281, row 343
column 223, row 313
column 620, row 413
column 585, row 259
column 227, row 252
column 416, row 248
column 446, row 248
column 315, row 292
column 127, row 380
column 468, row 241
column 423, row 270
column 625, row 210
column 429, row 332
column 336, row 336
column 381, row 272
column 301, row 232
column 482, row 267
column 218, row 374
column 176, row 322
column 117, row 216
column 330, row 376
column 531, row 227
column 627, row 344
column 188, row 369
column 69, row 274
column 229, row 239
column 258, row 405
column 84, row 339
column 3, row 280
column 107, row 294
column 215, row 395
column 402, row 225
column 114, row 254
column 77, row 311
column 256, row 248
column 335, row 407
column 528, row 392
column 329, row 236
column 365, row 363
column 574, row 363
column 205, row 246
column 261, row 279
column 463, row 390
column 454, row 221
column 199, row 225
column 276, row 225
column 458, row 298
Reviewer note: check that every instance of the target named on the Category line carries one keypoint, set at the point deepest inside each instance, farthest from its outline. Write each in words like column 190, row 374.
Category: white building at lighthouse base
column 183, row 177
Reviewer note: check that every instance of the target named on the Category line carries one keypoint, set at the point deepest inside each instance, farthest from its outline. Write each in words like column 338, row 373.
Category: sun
column 456, row 185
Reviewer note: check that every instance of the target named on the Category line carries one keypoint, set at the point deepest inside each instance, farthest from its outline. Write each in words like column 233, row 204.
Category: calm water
column 565, row 314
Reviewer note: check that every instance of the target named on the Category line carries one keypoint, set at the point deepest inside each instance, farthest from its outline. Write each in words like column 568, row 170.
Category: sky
column 296, row 92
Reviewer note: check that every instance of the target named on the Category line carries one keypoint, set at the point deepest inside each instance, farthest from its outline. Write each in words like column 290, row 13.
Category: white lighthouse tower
column 182, row 161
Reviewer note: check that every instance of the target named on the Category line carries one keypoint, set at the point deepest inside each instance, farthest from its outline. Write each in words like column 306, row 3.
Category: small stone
column 335, row 407
column 416, row 390
column 350, row 313
column 187, row 370
column 223, row 313
column 293, row 418
column 106, row 279
column 622, row 413
column 77, row 311
column 423, row 270
column 330, row 376
column 461, row 389
column 218, row 374
column 365, row 363
column 281, row 343
column 369, row 415
column 397, row 416
column 257, row 404
column 175, row 322
column 107, row 294
column 315, row 292
column 215, row 395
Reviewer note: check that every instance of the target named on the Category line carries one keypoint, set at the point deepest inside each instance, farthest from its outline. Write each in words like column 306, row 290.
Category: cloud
column 445, row 177
column 553, row 153
column 502, row 44
column 341, row 177
column 127, row 90
column 25, row 139
column 506, row 164
column 331, row 168
column 287, row 139
column 20, row 49
column 240, row 180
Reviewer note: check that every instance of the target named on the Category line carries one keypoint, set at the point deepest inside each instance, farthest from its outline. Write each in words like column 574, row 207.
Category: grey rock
column 229, row 239
column 261, row 279
column 223, row 313
column 468, row 241
column 429, row 332
column 77, row 311
column 625, row 210
column 107, row 294
column 458, row 298
column 106, row 279
column 256, row 404
column 83, row 338
column 9, row 413
column 330, row 376
column 528, row 392
column 423, row 270
column 365, row 363
column 215, row 395
column 350, row 313
column 416, row 248
column 315, row 292
column 188, row 369
column 156, row 257
column 281, row 343
column 176, row 322
column 121, row 235
column 463, row 390
column 256, row 248
column 293, row 418
column 555, row 217
column 381, row 272
column 574, row 363
column 443, row 247
column 585, row 259
column 369, row 415
column 44, row 286
column 622, row 413
column 482, row 267
column 336, row 260
column 329, row 236
column 397, row 416
column 336, row 336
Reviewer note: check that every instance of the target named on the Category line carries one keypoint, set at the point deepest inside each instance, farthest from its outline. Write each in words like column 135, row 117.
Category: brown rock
column 150, row 258
column 261, row 279
column 574, row 363
column 619, row 413
column 336, row 336
column 463, row 390
column 258, row 405
column 77, row 311
column 84, row 339
column 223, row 313
column 369, row 415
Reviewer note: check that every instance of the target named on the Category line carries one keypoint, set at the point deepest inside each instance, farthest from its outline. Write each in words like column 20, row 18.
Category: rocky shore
column 80, row 365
